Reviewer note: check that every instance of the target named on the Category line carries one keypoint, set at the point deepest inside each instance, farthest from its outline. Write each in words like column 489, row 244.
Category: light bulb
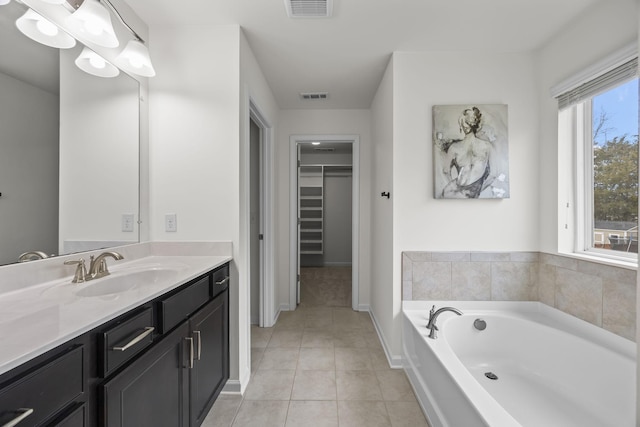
column 47, row 28
column 97, row 62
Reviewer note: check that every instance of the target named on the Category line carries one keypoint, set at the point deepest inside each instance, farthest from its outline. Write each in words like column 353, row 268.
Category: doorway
column 324, row 221
column 259, row 237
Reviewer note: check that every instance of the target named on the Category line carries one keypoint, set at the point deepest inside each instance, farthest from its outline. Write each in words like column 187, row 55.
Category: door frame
column 294, row 140
column 267, row 290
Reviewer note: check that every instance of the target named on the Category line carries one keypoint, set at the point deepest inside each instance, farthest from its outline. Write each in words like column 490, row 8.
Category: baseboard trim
column 395, row 362
column 232, row 388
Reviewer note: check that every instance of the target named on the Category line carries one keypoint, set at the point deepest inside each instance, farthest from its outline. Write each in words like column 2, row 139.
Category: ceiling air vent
column 325, row 149
column 309, row 8
column 314, row 95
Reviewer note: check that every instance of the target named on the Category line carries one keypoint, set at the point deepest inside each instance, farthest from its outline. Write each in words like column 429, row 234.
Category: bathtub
column 532, row 366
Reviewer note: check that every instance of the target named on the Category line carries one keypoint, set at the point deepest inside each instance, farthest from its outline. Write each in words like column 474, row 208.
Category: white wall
column 567, row 54
column 194, row 148
column 99, row 147
column 322, row 122
column 420, row 222
column 383, row 302
column 28, row 169
column 255, row 89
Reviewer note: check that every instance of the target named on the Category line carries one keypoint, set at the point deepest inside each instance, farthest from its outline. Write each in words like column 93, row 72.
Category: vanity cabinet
column 210, row 369
column 177, row 380
column 152, row 390
column 161, row 364
column 48, row 392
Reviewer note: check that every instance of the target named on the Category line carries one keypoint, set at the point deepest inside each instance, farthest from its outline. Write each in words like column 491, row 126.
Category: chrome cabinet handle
column 190, row 352
column 199, row 335
column 14, row 422
column 223, row 281
column 136, row 340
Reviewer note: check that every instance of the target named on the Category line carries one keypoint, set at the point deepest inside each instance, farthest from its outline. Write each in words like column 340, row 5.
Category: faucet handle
column 80, row 275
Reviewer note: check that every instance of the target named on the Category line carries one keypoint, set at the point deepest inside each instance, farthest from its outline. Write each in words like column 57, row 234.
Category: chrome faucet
column 98, row 266
column 32, row 255
column 433, row 316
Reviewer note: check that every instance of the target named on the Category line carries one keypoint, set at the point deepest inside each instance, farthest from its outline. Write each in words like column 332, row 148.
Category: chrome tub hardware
column 80, row 275
column 98, row 267
column 433, row 316
column 480, row 324
column 32, row 255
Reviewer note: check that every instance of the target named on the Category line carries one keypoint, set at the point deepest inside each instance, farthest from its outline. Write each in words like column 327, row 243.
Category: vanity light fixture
column 135, row 59
column 93, row 21
column 55, row 1
column 92, row 63
column 40, row 29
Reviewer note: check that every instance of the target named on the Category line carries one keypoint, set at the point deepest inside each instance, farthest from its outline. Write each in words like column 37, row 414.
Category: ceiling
column 346, row 55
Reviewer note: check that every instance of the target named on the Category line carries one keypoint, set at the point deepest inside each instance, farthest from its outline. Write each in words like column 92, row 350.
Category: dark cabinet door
column 153, row 390
column 210, row 332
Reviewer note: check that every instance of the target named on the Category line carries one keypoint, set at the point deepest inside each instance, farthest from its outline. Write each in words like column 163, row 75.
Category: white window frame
column 581, row 217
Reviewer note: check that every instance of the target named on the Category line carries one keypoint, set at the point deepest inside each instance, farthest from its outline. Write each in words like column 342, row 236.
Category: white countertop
column 39, row 317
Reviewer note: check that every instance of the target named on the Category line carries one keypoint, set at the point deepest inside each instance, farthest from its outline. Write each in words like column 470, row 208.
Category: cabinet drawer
column 73, row 418
column 179, row 306
column 124, row 340
column 45, row 391
column 220, row 280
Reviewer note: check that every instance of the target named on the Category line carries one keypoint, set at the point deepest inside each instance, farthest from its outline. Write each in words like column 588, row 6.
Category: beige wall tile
column 619, row 309
column 407, row 268
column 524, row 256
column 580, row 295
column 547, row 284
column 512, row 281
column 471, row 281
column 450, row 256
column 489, row 256
column 418, row 256
column 559, row 261
column 431, row 280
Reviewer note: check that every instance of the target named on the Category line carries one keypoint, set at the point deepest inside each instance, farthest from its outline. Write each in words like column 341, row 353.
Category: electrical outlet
column 127, row 223
column 170, row 222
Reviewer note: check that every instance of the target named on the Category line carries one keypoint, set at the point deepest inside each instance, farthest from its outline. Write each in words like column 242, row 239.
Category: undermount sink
column 124, row 281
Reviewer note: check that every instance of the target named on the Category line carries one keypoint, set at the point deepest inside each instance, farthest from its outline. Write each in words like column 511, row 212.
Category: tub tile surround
column 600, row 294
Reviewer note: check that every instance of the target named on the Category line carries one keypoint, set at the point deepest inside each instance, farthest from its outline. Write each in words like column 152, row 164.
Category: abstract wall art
column 470, row 151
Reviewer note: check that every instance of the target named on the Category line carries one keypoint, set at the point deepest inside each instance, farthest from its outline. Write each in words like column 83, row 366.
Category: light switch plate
column 127, row 223
column 170, row 222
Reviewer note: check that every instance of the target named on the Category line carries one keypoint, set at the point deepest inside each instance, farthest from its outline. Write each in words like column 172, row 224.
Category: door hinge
column 298, row 163
column 298, row 278
column 260, row 236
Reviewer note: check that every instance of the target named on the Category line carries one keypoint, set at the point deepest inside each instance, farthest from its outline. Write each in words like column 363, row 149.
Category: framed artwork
column 470, row 151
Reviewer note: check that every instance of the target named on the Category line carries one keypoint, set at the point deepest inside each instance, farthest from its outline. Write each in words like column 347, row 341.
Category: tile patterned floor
column 319, row 366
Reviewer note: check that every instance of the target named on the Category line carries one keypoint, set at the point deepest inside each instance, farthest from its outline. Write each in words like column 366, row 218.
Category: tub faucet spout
column 433, row 316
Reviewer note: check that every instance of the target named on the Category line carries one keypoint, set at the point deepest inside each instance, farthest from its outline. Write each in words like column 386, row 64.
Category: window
column 603, row 114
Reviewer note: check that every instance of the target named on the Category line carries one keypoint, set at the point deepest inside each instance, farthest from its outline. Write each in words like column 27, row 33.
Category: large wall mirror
column 69, row 150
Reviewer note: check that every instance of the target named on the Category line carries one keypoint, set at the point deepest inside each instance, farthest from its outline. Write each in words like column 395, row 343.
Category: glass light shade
column 135, row 59
column 92, row 63
column 40, row 29
column 3, row 2
column 55, row 1
column 93, row 22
